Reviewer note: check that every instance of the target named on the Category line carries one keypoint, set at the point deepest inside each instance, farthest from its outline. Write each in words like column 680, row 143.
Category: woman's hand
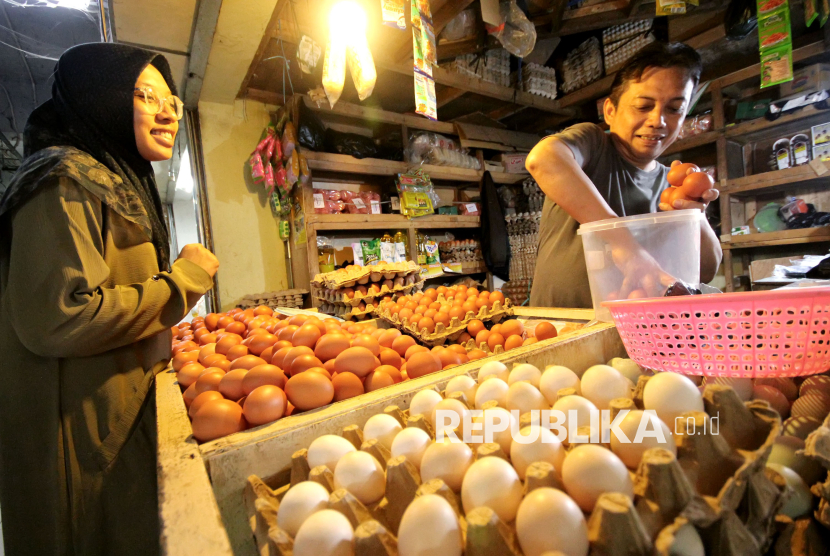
column 198, row 254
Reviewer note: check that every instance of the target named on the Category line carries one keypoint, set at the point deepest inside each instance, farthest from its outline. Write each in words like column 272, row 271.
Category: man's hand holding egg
column 689, row 188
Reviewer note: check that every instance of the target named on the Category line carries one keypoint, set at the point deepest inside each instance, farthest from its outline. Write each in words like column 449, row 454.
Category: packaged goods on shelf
column 361, row 275
column 582, row 65
column 518, row 290
column 523, row 234
column 513, row 163
column 327, row 201
column 539, row 80
column 275, row 299
column 493, row 66
column 466, row 252
column 470, row 209
column 535, row 197
column 695, row 125
column 621, row 42
column 416, row 193
column 426, row 147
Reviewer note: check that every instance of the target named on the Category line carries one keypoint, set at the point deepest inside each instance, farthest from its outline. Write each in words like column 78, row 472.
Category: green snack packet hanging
column 774, row 29
column 371, row 251
column 810, row 12
column 777, row 66
column 823, row 11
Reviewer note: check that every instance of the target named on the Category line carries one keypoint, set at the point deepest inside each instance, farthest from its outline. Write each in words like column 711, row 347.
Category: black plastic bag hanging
column 741, row 19
column 350, row 143
column 495, row 246
column 311, row 132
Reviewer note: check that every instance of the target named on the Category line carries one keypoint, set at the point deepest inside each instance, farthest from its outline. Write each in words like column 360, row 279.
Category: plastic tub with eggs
column 201, row 487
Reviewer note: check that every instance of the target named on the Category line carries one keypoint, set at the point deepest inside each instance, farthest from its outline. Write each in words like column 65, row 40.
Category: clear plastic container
column 671, row 238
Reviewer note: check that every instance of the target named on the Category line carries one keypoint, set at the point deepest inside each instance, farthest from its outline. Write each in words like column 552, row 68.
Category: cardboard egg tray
column 455, row 329
column 817, row 446
column 363, row 275
column 336, row 296
column 717, row 488
column 347, row 313
column 470, row 344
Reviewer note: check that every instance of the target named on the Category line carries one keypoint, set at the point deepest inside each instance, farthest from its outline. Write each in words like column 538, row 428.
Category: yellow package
column 362, row 68
column 334, row 71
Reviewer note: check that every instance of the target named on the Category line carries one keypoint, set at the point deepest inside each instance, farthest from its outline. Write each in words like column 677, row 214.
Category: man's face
column 649, row 114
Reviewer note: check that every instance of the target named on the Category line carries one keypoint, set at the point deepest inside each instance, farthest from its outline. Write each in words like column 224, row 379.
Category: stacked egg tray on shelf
column 285, row 298
column 715, row 496
column 353, row 275
column 817, row 446
column 456, row 326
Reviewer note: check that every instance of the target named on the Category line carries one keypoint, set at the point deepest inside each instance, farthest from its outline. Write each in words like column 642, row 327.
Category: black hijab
column 91, row 109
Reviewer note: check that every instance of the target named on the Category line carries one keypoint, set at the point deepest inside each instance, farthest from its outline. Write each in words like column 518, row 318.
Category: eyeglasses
column 156, row 103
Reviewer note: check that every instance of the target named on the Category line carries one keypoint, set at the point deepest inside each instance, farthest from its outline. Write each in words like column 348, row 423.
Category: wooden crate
column 201, row 487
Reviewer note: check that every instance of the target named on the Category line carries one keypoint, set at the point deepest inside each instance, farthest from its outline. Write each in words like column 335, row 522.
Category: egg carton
column 336, row 297
column 716, row 489
column 456, row 327
column 347, row 313
column 817, row 446
column 346, row 278
column 470, row 344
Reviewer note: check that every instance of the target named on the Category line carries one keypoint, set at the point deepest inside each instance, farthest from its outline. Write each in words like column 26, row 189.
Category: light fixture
column 347, row 23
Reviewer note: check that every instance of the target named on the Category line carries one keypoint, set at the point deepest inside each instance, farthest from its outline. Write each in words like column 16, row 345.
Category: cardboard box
column 821, row 134
column 514, row 163
column 822, row 152
column 807, row 80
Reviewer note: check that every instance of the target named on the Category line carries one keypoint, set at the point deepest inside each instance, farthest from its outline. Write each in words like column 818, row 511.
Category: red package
column 257, row 169
column 269, row 177
column 279, row 177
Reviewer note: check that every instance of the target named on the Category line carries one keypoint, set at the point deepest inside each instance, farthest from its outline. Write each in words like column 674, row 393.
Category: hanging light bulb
column 347, row 23
column 347, row 41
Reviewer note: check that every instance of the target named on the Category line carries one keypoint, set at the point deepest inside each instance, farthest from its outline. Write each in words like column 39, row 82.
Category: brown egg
column 224, row 321
column 544, row 330
column 422, row 363
column 236, row 352
column 303, row 363
column 496, row 296
column 236, row 328
column 183, row 358
column 212, row 321
column 188, row 374
column 278, row 358
column 441, row 318
column 309, row 391
column 190, row 395
column 427, row 324
column 482, row 337
column 321, row 327
column 261, row 375
column 209, row 349
column 292, row 354
column 461, row 350
column 365, row 340
column 209, row 380
column 464, row 338
column 495, row 340
column 513, row 342
column 207, row 339
column 264, row 404
column 224, row 344
column 448, row 357
column 212, row 360
column 186, row 346
column 330, row 346
column 377, row 380
column 476, row 354
column 496, row 329
column 261, row 342
column 287, row 332
column 231, row 384
column 391, row 371
column 346, row 385
column 298, row 320
column 358, row 360
column 307, row 335
column 268, row 353
column 390, row 357
column 402, row 343
column 247, row 362
column 530, row 341
column 387, row 337
column 512, row 328
column 218, row 418
column 329, row 366
column 263, row 310
column 413, row 350
column 200, row 400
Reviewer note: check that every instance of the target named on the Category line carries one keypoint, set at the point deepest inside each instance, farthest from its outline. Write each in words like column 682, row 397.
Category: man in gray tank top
column 589, row 175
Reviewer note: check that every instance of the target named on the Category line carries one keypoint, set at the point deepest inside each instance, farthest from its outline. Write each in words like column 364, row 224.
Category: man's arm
column 711, row 253
column 554, row 167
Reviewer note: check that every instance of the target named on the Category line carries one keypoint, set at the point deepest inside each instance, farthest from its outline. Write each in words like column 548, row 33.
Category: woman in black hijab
column 87, row 299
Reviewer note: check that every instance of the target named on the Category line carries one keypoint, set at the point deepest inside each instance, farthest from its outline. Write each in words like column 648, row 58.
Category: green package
column 824, row 11
column 774, row 29
column 810, row 12
column 777, row 66
column 431, row 248
column 371, row 251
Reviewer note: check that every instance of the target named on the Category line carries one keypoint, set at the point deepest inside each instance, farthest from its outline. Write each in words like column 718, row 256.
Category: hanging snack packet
column 428, row 42
column 266, row 138
column 269, row 177
column 305, row 173
column 371, row 251
column 279, row 177
column 289, row 140
column 276, row 155
column 433, row 257
column 362, row 68
column 334, row 71
column 292, row 169
column 425, row 101
column 423, row 7
column 257, row 169
column 274, row 201
column 414, row 189
column 823, row 11
column 393, row 13
column 670, row 7
column 279, row 119
column 810, row 12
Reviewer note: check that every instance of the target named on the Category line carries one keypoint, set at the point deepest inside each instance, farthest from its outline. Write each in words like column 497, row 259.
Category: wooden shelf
column 784, row 237
column 377, row 167
column 747, row 132
column 390, row 222
column 769, row 180
column 692, row 142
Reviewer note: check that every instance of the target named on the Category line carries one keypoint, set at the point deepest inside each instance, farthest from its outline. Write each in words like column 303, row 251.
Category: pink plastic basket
column 752, row 334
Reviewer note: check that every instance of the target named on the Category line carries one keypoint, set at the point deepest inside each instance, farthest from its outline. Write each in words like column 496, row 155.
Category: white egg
column 801, row 501
column 742, row 386
column 411, row 443
column 429, row 527
column 495, row 369
column 327, row 450
column 525, row 397
column 492, row 482
column 542, row 445
column 361, row 474
column 554, row 379
column 525, row 372
column 383, row 428
column 325, row 532
column 423, row 402
column 543, row 507
column 601, row 384
column 583, row 410
column 301, row 500
column 631, row 452
column 687, row 542
column 590, row 471
column 447, row 461
column 492, row 389
column 671, row 395
column 464, row 384
column 497, row 425
column 444, row 410
column 627, row 367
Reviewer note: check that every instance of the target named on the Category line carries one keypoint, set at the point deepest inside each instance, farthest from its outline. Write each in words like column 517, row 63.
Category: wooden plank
column 368, row 114
column 784, row 237
column 727, row 271
column 746, row 131
column 707, row 37
column 443, row 15
column 556, row 13
column 507, row 137
column 270, row 30
column 767, row 180
column 505, row 111
column 188, row 514
column 754, row 71
column 390, row 221
column 598, row 9
column 447, row 95
column 692, row 142
column 266, row 451
column 557, row 313
column 265, row 97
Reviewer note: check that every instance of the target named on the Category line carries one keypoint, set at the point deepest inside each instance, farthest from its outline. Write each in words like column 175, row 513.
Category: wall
column 245, row 233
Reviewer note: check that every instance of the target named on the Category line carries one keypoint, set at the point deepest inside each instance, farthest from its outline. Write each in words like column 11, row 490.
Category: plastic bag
column 292, row 169
column 371, row 251
column 417, row 196
column 334, row 71
column 461, row 26
column 311, row 131
column 349, row 143
column 308, row 54
column 305, row 173
column 432, row 148
column 257, row 169
column 289, row 140
column 362, row 68
column 517, row 34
